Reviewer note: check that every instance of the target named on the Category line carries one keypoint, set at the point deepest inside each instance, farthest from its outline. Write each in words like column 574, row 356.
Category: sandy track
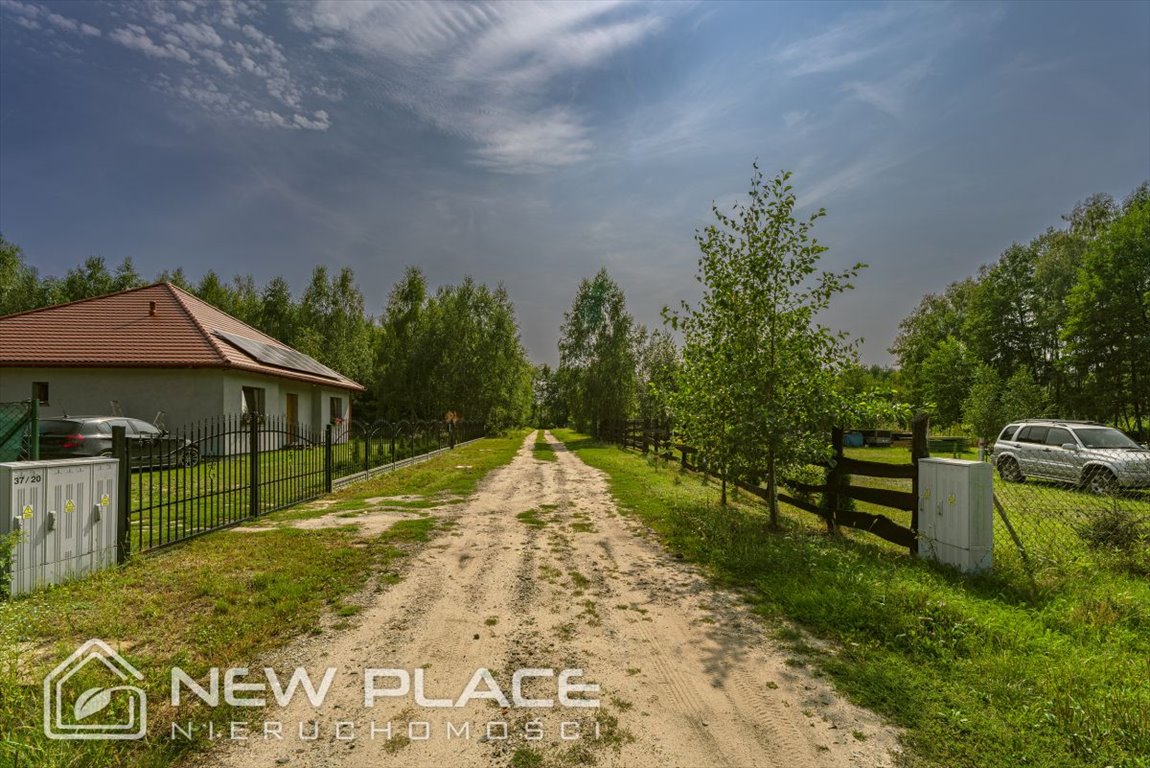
column 688, row 675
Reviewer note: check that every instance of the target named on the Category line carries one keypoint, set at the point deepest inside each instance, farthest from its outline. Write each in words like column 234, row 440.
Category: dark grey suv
column 148, row 445
column 1086, row 454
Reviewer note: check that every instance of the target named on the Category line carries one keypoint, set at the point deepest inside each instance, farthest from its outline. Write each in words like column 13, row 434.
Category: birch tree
column 756, row 387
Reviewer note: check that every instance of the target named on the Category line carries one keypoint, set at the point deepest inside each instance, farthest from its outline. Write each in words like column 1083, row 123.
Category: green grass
column 543, row 450
column 979, row 671
column 531, row 517
column 221, row 600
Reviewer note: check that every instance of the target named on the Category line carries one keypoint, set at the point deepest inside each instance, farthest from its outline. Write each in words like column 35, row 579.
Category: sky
column 533, row 143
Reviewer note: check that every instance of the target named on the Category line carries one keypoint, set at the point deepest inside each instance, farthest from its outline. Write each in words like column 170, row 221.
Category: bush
column 1114, row 529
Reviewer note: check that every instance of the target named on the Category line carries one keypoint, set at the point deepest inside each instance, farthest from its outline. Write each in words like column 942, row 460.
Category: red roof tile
column 121, row 330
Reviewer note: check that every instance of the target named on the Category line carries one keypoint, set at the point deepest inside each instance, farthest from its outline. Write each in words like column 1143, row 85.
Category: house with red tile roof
column 159, row 349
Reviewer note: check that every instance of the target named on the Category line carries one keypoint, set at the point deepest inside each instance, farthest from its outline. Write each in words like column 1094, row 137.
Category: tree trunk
column 772, row 489
column 724, row 493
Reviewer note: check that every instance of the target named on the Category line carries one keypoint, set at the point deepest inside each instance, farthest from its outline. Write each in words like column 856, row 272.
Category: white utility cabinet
column 956, row 513
column 64, row 515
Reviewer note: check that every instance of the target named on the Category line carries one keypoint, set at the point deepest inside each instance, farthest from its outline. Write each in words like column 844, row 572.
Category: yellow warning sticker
column 104, row 500
column 69, row 506
column 27, row 511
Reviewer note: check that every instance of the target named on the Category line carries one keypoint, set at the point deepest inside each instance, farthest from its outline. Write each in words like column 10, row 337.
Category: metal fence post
column 327, row 468
column 123, row 494
column 366, row 450
column 34, row 429
column 254, row 464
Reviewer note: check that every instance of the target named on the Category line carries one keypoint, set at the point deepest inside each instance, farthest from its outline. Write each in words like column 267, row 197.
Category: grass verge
column 978, row 672
column 543, row 450
column 217, row 601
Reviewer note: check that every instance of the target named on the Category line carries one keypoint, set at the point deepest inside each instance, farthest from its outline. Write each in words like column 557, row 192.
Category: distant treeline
column 1059, row 326
column 457, row 349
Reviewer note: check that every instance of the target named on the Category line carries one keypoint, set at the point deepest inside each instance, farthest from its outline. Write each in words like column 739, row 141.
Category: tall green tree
column 19, row 283
column 455, row 350
column 946, row 375
column 756, row 388
column 1108, row 318
column 1023, row 398
column 657, row 364
column 936, row 318
column 402, row 351
column 982, row 410
column 548, row 409
column 596, row 352
column 89, row 279
column 278, row 311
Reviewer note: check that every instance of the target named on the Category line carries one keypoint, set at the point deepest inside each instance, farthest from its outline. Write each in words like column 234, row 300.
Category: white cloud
column 136, row 38
column 487, row 72
column 885, row 51
column 796, row 119
column 199, row 34
column 33, row 16
column 24, row 10
column 219, row 61
column 211, row 55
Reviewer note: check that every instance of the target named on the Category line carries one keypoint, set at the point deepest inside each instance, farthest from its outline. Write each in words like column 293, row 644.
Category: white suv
column 1084, row 453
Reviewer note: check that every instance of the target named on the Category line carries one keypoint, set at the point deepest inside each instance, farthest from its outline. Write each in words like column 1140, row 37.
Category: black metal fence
column 226, row 470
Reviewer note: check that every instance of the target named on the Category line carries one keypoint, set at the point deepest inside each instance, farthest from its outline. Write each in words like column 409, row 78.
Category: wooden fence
column 656, row 438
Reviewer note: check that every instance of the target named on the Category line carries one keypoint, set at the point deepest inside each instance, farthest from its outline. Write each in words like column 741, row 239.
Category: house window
column 336, row 414
column 40, row 391
column 254, row 400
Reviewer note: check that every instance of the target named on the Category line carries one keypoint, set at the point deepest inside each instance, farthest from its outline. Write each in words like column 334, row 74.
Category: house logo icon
column 75, row 710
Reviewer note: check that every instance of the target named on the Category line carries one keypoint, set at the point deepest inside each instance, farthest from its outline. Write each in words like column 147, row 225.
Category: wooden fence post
column 919, row 449
column 834, row 478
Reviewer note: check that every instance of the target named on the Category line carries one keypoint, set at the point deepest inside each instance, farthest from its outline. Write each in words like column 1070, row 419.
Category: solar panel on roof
column 275, row 355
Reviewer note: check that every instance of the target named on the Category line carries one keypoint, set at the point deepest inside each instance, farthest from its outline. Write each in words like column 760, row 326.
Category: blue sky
column 532, row 144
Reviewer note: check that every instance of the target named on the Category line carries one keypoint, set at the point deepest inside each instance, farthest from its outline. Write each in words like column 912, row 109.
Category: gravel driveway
column 538, row 569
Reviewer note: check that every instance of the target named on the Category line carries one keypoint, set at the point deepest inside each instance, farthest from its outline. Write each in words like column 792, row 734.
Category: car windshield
column 1105, row 438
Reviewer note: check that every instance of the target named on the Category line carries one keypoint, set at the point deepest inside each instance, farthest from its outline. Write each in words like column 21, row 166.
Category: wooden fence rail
column 658, row 438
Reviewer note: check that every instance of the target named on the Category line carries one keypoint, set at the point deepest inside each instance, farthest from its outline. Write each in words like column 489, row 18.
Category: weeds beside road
column 981, row 671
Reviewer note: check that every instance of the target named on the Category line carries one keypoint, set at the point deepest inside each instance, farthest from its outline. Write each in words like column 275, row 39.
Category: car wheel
column 190, row 458
column 1101, row 481
column 1009, row 471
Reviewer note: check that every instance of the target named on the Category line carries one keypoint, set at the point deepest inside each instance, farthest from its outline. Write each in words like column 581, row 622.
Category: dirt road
column 539, row 570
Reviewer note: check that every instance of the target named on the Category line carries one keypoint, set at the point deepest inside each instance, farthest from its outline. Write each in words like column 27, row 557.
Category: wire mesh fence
column 1046, row 523
column 16, row 430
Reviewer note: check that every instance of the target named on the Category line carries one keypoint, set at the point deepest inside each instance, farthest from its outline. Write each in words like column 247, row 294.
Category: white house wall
column 184, row 395
column 314, row 409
